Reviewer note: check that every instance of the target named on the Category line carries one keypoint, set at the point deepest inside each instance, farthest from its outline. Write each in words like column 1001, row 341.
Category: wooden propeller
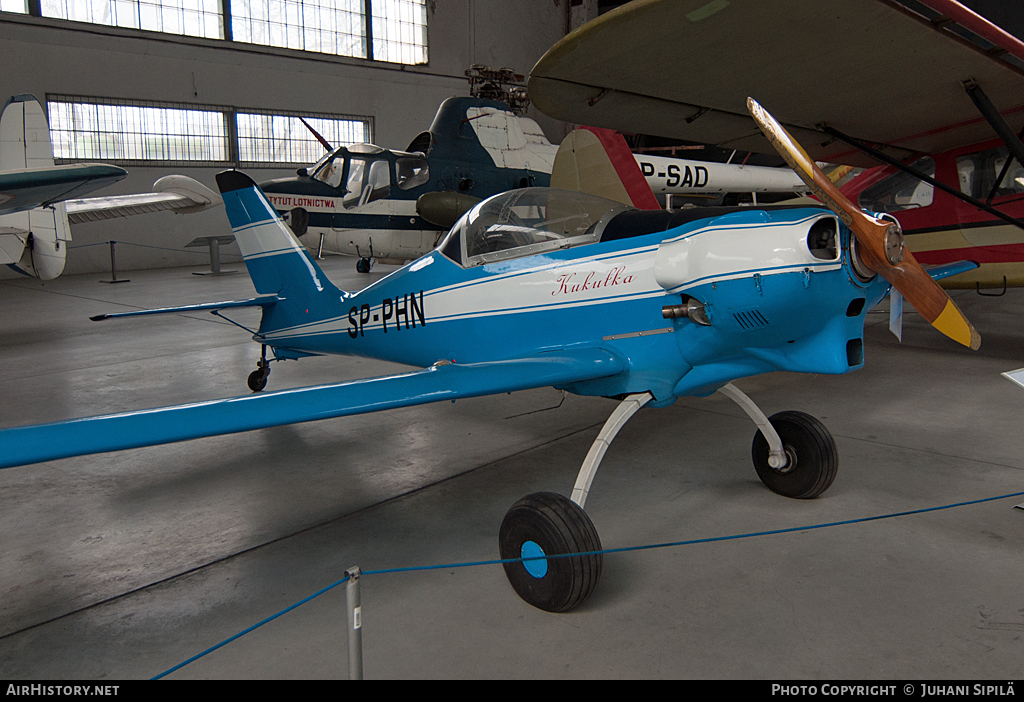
column 880, row 243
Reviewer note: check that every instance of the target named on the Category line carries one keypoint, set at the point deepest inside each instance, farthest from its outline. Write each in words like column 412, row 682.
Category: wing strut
column 992, row 116
column 874, row 153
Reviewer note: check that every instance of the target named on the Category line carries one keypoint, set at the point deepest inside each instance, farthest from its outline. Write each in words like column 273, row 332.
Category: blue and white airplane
column 545, row 287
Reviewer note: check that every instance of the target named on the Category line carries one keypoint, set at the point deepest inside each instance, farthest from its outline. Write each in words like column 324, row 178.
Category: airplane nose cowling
column 737, row 245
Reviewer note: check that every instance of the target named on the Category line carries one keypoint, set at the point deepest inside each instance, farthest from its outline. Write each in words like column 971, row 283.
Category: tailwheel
column 363, row 265
column 811, row 456
column 258, row 378
column 548, row 524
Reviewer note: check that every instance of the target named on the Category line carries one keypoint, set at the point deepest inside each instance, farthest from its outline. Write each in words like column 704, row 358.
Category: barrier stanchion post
column 355, row 625
column 113, row 268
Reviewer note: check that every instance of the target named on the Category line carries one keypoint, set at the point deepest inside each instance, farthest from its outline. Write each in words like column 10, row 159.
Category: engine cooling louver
column 750, row 319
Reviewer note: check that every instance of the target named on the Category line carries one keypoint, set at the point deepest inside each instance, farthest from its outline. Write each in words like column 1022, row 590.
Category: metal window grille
column 134, row 131
column 324, row 26
column 196, row 18
column 282, row 138
column 400, row 31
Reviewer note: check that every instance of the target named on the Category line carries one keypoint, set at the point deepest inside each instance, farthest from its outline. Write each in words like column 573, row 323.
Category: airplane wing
column 27, row 188
column 442, row 381
column 871, row 69
column 176, row 193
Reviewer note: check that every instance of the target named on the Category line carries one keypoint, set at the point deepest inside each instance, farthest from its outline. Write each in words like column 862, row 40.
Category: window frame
column 392, row 47
column 230, row 135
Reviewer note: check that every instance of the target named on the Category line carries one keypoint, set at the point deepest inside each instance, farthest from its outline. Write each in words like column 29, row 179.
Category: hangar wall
column 48, row 56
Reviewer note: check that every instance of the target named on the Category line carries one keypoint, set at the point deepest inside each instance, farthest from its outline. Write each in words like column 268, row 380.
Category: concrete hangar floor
column 123, row 565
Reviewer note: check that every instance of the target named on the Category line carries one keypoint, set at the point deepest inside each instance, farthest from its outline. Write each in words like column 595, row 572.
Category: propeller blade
column 880, row 243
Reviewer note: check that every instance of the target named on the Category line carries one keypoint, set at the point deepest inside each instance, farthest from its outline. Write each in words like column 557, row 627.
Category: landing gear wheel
column 363, row 265
column 546, row 523
column 258, row 379
column 812, row 459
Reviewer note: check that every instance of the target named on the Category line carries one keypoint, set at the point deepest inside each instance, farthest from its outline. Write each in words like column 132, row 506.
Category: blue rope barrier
column 624, row 549
column 240, row 634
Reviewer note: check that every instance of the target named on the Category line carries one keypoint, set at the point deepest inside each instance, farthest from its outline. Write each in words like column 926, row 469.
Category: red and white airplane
column 940, row 227
column 877, row 84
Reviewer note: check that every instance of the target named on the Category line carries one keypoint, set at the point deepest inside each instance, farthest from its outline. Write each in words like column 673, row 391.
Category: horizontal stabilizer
column 175, row 193
column 261, row 301
column 948, row 270
column 27, row 188
column 442, row 381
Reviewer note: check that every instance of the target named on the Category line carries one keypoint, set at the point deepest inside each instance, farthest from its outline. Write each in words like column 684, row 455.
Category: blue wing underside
column 89, row 435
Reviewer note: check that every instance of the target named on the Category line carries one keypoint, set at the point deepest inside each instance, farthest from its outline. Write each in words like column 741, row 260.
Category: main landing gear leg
column 258, row 378
column 549, row 524
column 794, row 454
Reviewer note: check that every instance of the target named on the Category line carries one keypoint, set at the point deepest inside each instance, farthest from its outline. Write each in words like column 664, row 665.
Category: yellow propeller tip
column 952, row 323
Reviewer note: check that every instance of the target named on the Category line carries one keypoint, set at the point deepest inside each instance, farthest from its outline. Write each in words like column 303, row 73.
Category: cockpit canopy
column 527, row 222
column 365, row 172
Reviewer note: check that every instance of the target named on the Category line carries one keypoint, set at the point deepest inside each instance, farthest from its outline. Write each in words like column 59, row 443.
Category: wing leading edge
column 442, row 381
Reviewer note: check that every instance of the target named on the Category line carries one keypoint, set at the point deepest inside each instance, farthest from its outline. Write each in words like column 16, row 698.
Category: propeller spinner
column 880, row 243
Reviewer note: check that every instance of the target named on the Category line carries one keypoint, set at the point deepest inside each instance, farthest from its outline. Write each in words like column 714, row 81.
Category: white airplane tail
column 598, row 162
column 33, row 242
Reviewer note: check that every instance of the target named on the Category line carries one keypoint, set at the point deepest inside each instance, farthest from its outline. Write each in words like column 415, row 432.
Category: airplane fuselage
column 802, row 312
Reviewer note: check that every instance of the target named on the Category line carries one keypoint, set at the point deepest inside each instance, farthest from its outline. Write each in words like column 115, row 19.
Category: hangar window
column 400, row 31
column 83, row 129
column 394, row 31
column 127, row 131
column 282, row 138
column 194, row 18
column 324, row 26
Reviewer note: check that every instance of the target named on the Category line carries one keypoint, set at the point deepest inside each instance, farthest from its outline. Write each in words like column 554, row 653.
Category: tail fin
column 277, row 262
column 33, row 241
column 599, row 162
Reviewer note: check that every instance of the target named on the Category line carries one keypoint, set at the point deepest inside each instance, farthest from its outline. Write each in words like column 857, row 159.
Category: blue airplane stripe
column 732, row 275
column 251, row 225
column 275, row 252
column 247, row 206
column 738, row 225
column 76, row 437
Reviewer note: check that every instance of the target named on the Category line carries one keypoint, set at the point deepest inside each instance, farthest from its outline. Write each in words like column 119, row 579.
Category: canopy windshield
column 526, row 222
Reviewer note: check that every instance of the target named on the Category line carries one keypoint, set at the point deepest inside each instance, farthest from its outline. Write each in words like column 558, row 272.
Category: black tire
column 257, row 380
column 363, row 265
column 811, row 450
column 556, row 525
